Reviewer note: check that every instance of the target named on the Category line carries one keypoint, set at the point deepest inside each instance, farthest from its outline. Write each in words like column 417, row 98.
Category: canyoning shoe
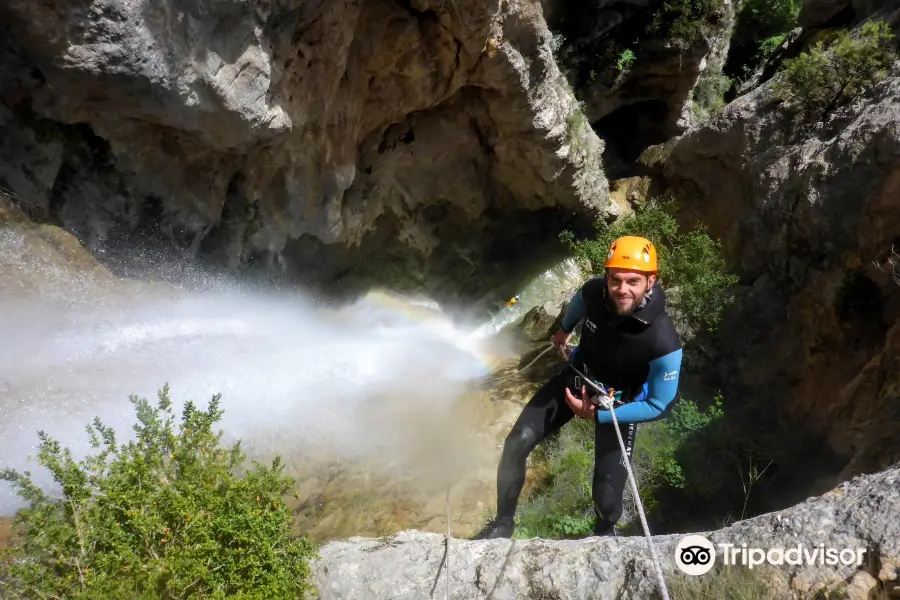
column 608, row 532
column 495, row 530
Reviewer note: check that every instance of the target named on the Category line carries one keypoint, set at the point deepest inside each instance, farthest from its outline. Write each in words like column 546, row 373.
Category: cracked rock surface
column 859, row 514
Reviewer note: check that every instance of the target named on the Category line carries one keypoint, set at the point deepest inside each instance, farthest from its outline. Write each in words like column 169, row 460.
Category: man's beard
column 632, row 306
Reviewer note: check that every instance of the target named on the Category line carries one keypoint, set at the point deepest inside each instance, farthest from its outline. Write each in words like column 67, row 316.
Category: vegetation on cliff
column 587, row 57
column 836, row 70
column 760, row 28
column 169, row 515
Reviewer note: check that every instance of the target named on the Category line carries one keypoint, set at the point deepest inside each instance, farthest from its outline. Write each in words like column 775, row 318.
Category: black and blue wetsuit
column 639, row 355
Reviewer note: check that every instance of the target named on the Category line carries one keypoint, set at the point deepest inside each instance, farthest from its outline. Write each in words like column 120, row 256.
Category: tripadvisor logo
column 696, row 555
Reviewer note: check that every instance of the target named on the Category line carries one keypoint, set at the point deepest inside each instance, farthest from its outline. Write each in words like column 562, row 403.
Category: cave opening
column 592, row 37
column 630, row 130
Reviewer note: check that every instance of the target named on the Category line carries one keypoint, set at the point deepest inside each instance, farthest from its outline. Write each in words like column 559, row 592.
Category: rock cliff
column 809, row 214
column 418, row 143
column 635, row 64
column 860, row 514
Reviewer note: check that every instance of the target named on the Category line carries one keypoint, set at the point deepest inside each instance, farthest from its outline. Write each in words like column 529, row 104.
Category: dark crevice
column 483, row 140
column 630, row 130
column 420, row 15
column 456, row 63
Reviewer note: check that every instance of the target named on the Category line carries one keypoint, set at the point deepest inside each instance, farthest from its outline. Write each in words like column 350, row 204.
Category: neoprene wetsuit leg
column 610, row 474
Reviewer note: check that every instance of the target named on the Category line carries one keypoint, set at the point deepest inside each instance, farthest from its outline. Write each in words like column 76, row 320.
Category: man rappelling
column 628, row 343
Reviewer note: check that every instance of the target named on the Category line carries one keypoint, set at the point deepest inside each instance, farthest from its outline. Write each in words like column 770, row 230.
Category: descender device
column 603, row 397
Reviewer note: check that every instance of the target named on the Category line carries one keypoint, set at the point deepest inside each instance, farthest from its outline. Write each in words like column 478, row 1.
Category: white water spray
column 296, row 378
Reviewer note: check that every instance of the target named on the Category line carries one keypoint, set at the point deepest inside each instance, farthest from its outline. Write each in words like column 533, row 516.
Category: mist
column 296, row 378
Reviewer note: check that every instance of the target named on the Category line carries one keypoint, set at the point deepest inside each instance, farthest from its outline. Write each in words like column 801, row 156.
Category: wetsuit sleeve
column 662, row 385
column 574, row 312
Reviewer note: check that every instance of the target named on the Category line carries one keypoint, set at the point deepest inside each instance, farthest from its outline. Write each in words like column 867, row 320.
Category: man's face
column 627, row 289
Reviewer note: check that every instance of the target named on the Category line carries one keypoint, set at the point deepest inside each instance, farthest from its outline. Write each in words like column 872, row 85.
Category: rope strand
column 607, row 402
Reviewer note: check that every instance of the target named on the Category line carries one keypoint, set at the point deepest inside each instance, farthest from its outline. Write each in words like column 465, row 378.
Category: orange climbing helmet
column 632, row 253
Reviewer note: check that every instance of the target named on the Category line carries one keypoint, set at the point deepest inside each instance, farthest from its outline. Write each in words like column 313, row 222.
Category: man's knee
column 607, row 501
column 520, row 441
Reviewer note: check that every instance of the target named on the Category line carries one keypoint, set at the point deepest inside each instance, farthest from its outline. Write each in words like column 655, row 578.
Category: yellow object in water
column 511, row 301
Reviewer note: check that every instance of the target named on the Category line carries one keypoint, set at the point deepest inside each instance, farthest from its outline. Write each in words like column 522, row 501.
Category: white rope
column 447, row 588
column 607, row 402
column 640, row 507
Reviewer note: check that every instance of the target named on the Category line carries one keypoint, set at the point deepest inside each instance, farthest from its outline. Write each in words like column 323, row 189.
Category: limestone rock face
column 808, row 214
column 542, row 321
column 860, row 515
column 423, row 143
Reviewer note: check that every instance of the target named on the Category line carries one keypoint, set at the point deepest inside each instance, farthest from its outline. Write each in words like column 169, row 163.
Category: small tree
column 709, row 92
column 164, row 516
column 830, row 76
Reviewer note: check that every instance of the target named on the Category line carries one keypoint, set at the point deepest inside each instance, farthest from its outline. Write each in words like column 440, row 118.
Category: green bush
column 692, row 261
column 835, row 71
column 709, row 93
column 626, row 60
column 659, row 450
column 164, row 516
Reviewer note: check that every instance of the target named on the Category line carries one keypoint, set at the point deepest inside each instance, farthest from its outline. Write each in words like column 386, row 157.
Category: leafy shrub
column 659, row 445
column 709, row 93
column 833, row 72
column 164, row 516
column 626, row 60
column 692, row 261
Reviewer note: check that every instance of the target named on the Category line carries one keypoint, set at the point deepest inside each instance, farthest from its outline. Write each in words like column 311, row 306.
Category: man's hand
column 561, row 339
column 583, row 408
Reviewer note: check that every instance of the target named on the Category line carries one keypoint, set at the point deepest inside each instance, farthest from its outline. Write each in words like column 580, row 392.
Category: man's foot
column 495, row 530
